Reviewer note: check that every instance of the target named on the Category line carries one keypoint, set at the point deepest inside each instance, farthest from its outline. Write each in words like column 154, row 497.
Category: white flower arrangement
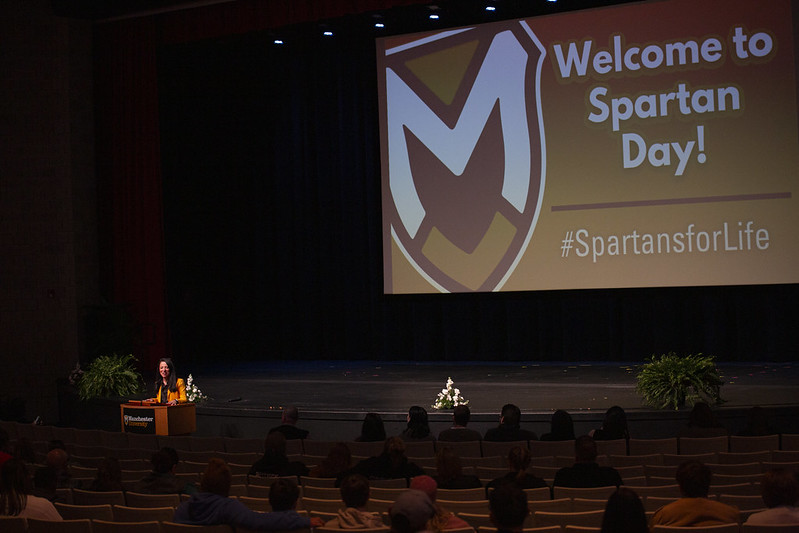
column 449, row 397
column 193, row 392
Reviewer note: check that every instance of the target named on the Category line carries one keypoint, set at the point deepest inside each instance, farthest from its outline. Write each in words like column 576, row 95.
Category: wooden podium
column 158, row 419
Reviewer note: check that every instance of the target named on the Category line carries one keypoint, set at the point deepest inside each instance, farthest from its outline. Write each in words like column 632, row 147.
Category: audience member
column 391, row 464
column 338, row 460
column 372, row 429
column 162, row 479
column 586, row 472
column 561, row 427
column 702, row 423
column 355, row 495
column 509, row 429
column 288, row 425
column 418, row 427
column 45, row 484
column 441, row 519
column 450, row 472
column 109, row 476
column 16, row 498
column 57, row 460
column 757, row 423
column 518, row 462
column 780, row 494
column 459, row 432
column 23, row 449
column 614, row 426
column 694, row 509
column 212, row 506
column 410, row 512
column 275, row 462
column 508, row 508
column 624, row 513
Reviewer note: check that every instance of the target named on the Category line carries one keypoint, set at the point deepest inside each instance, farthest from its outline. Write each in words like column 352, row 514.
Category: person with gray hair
column 288, row 425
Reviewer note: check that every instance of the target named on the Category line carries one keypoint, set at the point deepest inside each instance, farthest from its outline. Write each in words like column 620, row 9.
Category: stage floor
column 392, row 387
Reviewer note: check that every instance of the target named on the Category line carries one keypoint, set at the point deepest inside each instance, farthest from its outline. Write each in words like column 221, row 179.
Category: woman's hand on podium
column 172, row 402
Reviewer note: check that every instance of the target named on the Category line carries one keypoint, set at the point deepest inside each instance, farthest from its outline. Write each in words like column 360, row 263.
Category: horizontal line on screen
column 674, row 201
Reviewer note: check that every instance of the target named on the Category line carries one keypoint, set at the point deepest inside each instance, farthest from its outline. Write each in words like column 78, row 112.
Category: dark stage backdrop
column 272, row 235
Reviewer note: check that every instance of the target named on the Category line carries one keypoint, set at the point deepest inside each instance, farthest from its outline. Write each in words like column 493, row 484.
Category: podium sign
column 155, row 419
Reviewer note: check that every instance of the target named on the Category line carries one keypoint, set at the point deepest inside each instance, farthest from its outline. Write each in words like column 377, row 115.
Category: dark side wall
column 48, row 242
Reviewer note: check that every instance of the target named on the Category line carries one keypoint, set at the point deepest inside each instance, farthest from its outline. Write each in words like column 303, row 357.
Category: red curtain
column 128, row 155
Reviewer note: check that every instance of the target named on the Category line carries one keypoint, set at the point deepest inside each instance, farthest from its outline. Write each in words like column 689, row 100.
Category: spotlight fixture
column 327, row 33
column 491, row 8
column 278, row 41
column 434, row 16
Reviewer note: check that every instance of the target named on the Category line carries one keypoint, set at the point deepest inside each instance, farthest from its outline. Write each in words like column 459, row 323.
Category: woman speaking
column 170, row 389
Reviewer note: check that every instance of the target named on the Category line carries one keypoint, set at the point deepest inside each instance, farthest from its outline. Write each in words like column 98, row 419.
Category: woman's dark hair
column 561, row 426
column 172, row 380
column 518, row 461
column 780, row 487
column 13, row 487
column 337, row 461
column 614, row 426
column 418, row 426
column 109, row 476
column 372, row 429
column 355, row 491
column 624, row 513
column 216, row 478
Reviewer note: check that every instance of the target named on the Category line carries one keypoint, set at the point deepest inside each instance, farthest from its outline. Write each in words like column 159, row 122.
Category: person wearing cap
column 442, row 519
column 410, row 512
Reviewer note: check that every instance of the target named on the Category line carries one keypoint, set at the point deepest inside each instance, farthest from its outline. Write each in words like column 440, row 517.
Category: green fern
column 110, row 375
column 671, row 381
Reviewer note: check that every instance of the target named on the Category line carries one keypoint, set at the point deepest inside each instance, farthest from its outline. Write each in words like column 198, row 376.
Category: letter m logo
column 463, row 165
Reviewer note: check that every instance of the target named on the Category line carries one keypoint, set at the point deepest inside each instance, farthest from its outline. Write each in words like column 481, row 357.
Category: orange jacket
column 179, row 395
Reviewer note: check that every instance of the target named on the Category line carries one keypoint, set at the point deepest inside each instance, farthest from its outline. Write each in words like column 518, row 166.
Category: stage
column 333, row 396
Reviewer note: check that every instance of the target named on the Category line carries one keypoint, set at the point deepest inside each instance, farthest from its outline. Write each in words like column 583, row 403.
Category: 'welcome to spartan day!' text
column 580, row 59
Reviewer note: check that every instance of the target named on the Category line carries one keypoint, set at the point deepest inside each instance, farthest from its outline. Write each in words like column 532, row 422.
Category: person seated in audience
column 109, row 476
column 450, row 472
column 561, row 427
column 45, row 484
column 162, row 479
column 509, row 429
column 411, row 512
column 459, row 432
column 614, row 425
column 508, row 508
column 212, row 505
column 518, row 462
column 780, row 489
column 4, row 440
column 372, row 429
column 355, row 495
column 757, row 423
column 624, row 513
column 57, row 460
column 391, row 464
column 418, row 427
column 16, row 498
column 288, row 425
column 338, row 460
column 702, row 423
column 23, row 449
column 442, row 519
column 694, row 509
column 586, row 472
column 283, row 497
column 275, row 462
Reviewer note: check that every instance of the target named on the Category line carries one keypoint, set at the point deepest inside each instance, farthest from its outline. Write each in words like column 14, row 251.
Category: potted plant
column 110, row 375
column 673, row 381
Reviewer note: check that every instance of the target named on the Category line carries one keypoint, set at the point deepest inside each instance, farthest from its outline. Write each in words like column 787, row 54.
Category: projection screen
column 643, row 145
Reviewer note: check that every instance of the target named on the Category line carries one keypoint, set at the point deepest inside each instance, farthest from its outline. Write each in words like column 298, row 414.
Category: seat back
column 739, row 444
column 83, row 525
column 652, row 446
column 694, row 445
column 585, row 519
column 89, row 497
column 723, row 528
column 75, row 512
column 462, row 495
column 173, row 527
column 13, row 524
column 104, row 526
column 589, row 493
column 123, row 513
column 137, row 499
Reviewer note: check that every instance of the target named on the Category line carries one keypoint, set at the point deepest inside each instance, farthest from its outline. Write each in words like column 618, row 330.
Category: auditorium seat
column 317, row 481
column 696, row 445
column 662, row 491
column 377, row 505
column 461, row 449
column 88, row 497
column 501, row 449
column 744, row 457
column 75, row 512
column 143, row 442
column 383, row 529
column 767, row 465
column 235, row 445
column 389, row 483
column 545, row 472
column 386, row 493
column 476, row 520
column 104, row 526
column 582, row 529
column 545, row 529
column 670, row 459
column 749, row 528
column 745, row 489
column 653, row 446
column 318, row 447
column 735, row 469
column 743, row 502
column 207, row 444
column 789, row 442
column 561, row 505
column 728, row 479
column 137, row 499
column 473, row 494
column 612, row 447
column 325, row 493
column 579, row 492
column 543, row 448
column 538, row 493
column 653, row 503
column 83, row 525
column 13, row 524
column 173, row 527
column 762, row 443
column 123, row 513
column 182, row 443
column 256, row 504
column 588, row 504
column 585, row 518
column 724, row 528
column 464, row 506
column 88, row 437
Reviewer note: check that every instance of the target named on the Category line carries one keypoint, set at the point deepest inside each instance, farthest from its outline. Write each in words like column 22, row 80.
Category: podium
column 157, row 419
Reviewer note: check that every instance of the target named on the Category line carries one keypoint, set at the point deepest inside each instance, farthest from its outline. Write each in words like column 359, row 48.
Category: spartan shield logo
column 465, row 156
